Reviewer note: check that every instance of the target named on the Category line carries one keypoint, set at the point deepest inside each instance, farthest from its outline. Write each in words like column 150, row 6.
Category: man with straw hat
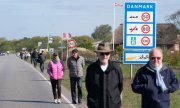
column 104, row 80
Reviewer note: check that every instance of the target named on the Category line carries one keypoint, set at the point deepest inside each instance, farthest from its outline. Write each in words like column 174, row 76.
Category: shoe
column 79, row 102
column 74, row 102
column 59, row 101
column 55, row 101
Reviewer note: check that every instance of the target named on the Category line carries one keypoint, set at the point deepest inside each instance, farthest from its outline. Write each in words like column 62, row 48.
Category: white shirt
column 104, row 67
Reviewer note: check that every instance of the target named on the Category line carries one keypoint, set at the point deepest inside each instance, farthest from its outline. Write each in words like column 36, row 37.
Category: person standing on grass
column 75, row 64
column 104, row 81
column 56, row 71
column 155, row 81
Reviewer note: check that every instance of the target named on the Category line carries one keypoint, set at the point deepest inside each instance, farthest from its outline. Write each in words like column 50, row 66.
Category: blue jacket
column 144, row 83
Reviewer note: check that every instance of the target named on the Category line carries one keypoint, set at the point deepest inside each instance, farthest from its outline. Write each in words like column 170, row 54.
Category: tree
column 119, row 52
column 174, row 18
column 6, row 46
column 2, row 40
column 118, row 39
column 84, row 41
column 102, row 32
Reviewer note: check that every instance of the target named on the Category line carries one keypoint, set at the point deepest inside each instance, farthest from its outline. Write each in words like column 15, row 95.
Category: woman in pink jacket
column 56, row 71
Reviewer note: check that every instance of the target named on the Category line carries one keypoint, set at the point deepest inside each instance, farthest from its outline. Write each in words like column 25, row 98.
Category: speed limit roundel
column 145, row 41
column 72, row 43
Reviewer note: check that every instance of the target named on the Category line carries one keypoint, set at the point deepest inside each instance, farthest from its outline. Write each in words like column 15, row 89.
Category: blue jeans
column 34, row 61
column 73, row 81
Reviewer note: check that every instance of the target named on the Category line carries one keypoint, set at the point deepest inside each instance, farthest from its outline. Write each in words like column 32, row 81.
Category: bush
column 171, row 59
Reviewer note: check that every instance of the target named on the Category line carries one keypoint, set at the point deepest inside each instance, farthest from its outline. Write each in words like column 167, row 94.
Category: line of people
column 37, row 57
column 104, row 80
column 55, row 70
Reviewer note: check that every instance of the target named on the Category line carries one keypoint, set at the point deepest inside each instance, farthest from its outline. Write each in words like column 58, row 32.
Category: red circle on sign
column 72, row 43
column 145, row 29
column 145, row 41
column 145, row 16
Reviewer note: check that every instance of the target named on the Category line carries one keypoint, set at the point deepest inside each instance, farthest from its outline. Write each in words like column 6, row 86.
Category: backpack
column 41, row 58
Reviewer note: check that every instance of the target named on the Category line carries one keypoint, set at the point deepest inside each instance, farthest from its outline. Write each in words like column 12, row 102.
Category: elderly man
column 104, row 81
column 155, row 81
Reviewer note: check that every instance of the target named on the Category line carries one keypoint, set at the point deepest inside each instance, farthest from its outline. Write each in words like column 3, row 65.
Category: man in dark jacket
column 104, row 81
column 41, row 60
column 34, row 57
column 155, row 81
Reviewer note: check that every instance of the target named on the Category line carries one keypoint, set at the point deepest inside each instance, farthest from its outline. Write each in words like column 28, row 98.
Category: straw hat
column 102, row 47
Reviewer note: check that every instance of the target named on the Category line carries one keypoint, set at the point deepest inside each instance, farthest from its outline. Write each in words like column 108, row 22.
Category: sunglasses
column 153, row 58
column 102, row 54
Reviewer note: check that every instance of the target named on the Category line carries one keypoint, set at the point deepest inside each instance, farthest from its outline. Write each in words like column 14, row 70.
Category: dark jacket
column 34, row 55
column 41, row 58
column 145, row 84
column 104, row 88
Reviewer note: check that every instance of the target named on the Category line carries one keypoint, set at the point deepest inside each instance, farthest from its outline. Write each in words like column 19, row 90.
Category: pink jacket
column 55, row 70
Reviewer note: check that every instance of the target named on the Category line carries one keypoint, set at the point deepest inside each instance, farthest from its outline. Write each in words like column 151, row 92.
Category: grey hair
column 157, row 48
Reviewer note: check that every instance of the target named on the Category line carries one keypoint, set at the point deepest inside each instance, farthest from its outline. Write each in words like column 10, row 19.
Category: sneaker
column 59, row 101
column 55, row 101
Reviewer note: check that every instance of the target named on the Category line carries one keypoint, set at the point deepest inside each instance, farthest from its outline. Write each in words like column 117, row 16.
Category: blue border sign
column 139, row 25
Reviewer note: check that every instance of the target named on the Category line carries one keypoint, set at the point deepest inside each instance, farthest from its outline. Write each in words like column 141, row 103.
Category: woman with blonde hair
column 56, row 71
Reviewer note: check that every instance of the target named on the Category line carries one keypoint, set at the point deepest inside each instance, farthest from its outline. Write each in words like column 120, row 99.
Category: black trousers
column 74, row 81
column 56, row 88
column 42, row 66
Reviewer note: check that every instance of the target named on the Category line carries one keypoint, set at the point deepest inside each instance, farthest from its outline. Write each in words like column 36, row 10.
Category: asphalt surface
column 23, row 86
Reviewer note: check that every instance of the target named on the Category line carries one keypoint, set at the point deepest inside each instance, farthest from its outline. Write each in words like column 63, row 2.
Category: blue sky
column 28, row 18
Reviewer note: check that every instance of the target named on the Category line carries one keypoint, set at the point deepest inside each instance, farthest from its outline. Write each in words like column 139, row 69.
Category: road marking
column 73, row 106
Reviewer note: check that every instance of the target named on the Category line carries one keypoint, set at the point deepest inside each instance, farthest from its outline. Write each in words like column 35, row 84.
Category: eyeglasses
column 153, row 58
column 102, row 54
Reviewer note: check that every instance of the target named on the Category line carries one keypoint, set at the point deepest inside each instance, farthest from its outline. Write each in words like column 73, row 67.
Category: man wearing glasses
column 104, row 81
column 155, row 81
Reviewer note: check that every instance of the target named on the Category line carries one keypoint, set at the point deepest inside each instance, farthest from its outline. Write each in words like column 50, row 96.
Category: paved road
column 23, row 86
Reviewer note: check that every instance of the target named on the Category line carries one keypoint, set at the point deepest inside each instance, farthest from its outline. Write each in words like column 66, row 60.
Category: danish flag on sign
column 117, row 4
column 64, row 36
column 69, row 35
